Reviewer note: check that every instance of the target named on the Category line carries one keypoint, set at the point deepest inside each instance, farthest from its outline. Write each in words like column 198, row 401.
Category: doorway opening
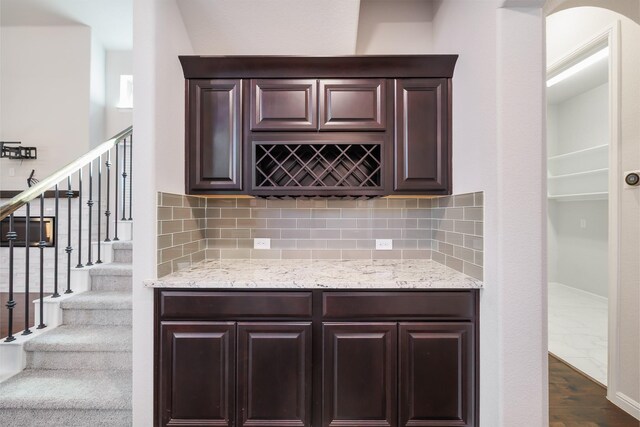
column 578, row 136
column 593, row 141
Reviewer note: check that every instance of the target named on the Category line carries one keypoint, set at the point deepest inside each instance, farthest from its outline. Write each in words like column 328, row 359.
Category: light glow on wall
column 126, row 91
column 576, row 68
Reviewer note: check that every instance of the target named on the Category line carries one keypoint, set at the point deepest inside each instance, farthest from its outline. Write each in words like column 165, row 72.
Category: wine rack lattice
column 318, row 165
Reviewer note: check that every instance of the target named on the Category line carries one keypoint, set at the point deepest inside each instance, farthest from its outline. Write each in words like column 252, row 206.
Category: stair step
column 97, row 317
column 112, row 269
column 111, row 277
column 123, row 251
column 95, row 348
column 68, row 338
column 80, row 360
column 98, row 300
column 33, row 417
column 98, row 308
column 123, row 245
column 64, row 390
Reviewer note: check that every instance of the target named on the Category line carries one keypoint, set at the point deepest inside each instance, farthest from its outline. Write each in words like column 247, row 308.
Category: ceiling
column 111, row 21
column 271, row 27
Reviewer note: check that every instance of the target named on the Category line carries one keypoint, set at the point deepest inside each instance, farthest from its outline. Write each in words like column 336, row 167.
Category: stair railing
column 61, row 184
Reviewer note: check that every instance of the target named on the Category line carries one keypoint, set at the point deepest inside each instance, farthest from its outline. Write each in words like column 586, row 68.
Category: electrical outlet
column 12, row 172
column 583, row 223
column 261, row 243
column 384, row 244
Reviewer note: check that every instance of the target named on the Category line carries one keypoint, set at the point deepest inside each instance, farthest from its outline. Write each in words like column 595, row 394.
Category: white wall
column 582, row 121
column 570, row 28
column 47, row 110
column 116, row 119
column 271, row 27
column 580, row 259
column 405, row 28
column 520, row 211
column 159, row 37
column 97, row 96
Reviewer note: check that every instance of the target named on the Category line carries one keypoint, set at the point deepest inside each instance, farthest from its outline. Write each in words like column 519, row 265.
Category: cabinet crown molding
column 355, row 66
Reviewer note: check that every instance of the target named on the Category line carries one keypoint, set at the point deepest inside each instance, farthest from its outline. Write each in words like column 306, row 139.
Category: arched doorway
column 574, row 27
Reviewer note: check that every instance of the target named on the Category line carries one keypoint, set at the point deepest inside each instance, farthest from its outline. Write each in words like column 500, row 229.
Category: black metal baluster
column 115, row 210
column 11, row 237
column 69, row 249
column 27, row 223
column 130, row 175
column 124, row 178
column 79, row 219
column 56, row 224
column 90, row 205
column 107, row 213
column 99, row 261
column 41, row 245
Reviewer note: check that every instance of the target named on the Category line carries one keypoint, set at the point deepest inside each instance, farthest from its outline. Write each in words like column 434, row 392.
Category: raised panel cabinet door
column 422, row 135
column 359, row 375
column 283, row 104
column 274, row 374
column 437, row 374
column 197, row 375
column 214, row 140
column 356, row 104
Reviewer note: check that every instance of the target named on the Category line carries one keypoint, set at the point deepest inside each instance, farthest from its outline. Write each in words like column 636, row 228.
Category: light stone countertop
column 317, row 274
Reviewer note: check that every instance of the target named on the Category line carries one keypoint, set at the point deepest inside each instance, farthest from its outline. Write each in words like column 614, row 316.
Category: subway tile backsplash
column 445, row 229
column 181, row 232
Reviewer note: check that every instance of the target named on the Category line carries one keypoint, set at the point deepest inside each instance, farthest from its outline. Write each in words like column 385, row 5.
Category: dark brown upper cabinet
column 356, row 104
column 422, row 136
column 237, row 104
column 213, row 134
column 283, row 105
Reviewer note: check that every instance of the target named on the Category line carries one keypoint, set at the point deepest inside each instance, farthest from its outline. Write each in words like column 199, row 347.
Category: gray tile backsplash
column 445, row 229
column 457, row 227
column 181, row 232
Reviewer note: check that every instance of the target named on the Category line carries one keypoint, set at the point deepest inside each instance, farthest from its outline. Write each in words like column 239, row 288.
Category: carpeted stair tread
column 112, row 269
column 50, row 389
column 83, row 338
column 125, row 245
column 32, row 417
column 98, row 300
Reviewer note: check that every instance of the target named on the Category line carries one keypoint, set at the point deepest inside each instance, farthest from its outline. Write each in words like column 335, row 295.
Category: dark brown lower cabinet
column 436, row 374
column 359, row 374
column 197, row 386
column 390, row 365
column 274, row 374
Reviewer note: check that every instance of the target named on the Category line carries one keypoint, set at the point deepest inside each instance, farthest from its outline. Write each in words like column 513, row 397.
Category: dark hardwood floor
column 577, row 401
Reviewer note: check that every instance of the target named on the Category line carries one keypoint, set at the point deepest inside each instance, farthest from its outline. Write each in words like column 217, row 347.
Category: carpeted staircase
column 79, row 374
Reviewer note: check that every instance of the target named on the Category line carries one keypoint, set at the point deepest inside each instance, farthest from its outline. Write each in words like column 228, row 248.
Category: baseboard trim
column 625, row 403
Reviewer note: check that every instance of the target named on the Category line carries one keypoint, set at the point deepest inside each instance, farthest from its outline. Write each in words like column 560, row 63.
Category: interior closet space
column 578, row 181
